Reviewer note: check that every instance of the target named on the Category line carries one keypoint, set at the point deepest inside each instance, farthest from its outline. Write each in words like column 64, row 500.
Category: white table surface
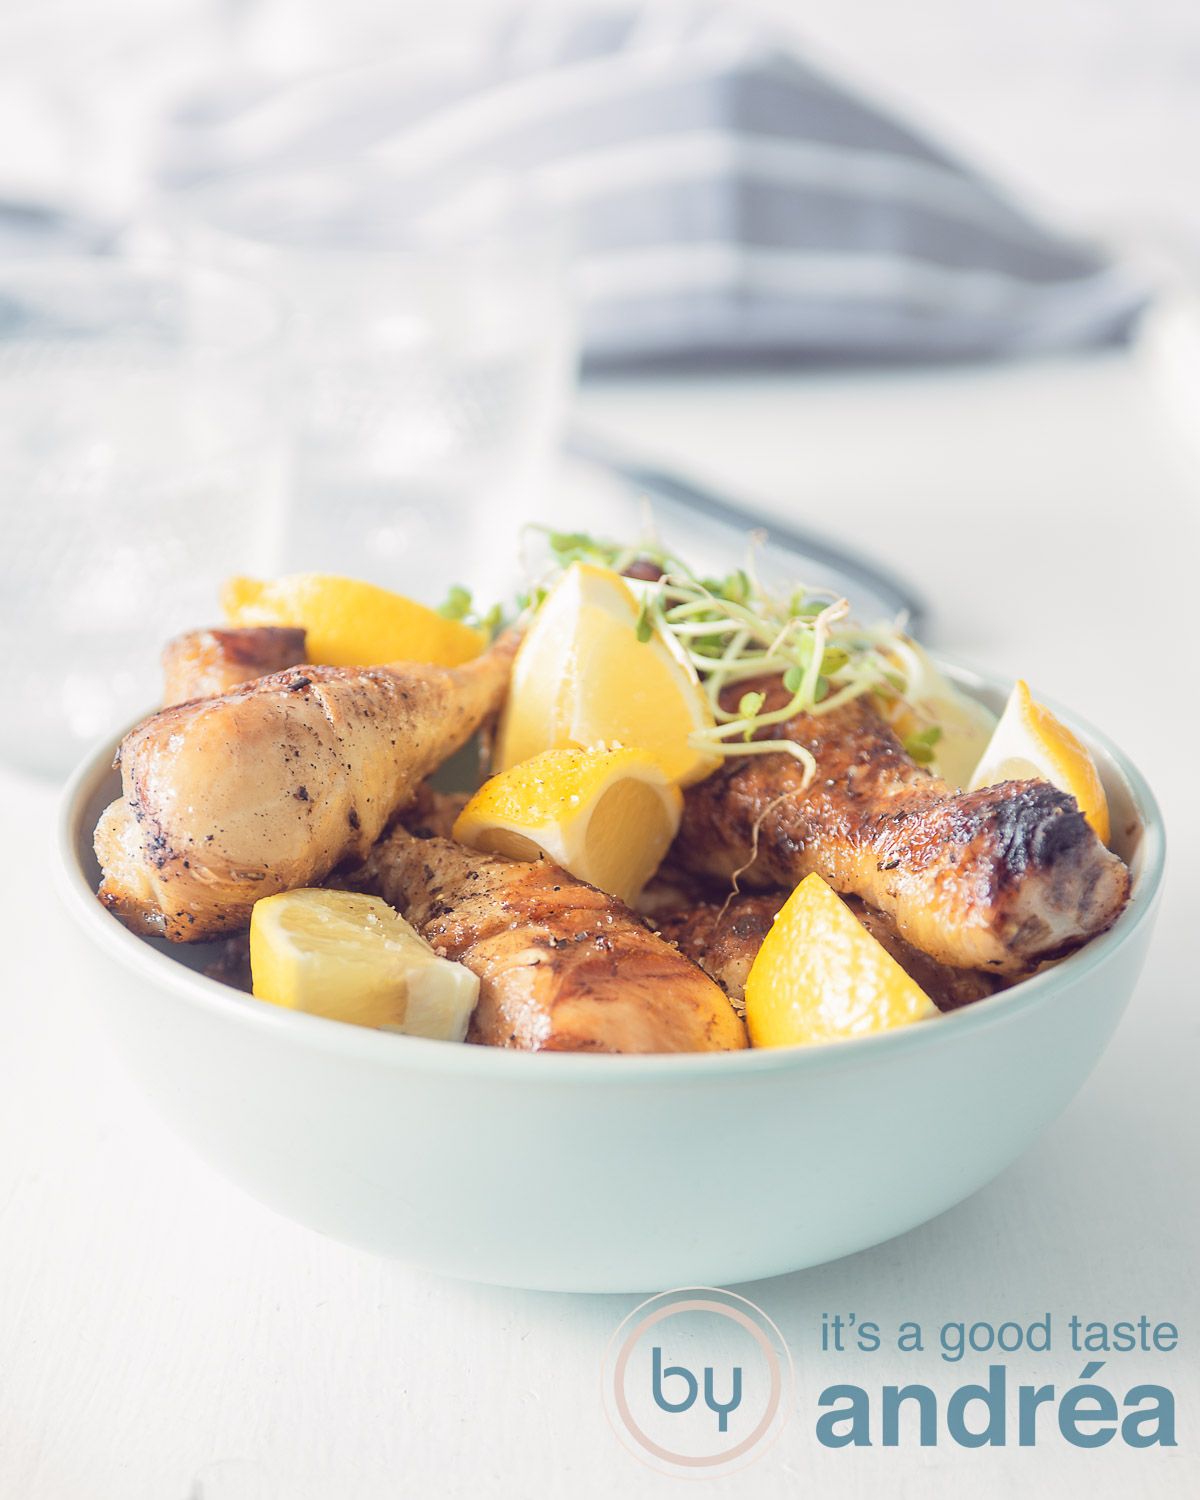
column 163, row 1337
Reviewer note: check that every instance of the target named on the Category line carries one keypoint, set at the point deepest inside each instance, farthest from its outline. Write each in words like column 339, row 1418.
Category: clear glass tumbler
column 430, row 352
column 140, row 462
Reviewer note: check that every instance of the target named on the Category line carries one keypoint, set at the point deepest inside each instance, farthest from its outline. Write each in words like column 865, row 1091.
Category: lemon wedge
column 350, row 623
column 605, row 816
column 1030, row 742
column 582, row 678
column 931, row 699
column 820, row 976
column 353, row 958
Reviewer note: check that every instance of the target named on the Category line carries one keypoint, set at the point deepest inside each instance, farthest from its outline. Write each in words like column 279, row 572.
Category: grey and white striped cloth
column 732, row 202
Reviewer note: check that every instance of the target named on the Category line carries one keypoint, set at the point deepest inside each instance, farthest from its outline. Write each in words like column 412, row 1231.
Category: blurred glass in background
column 384, row 174
column 140, row 462
column 429, row 353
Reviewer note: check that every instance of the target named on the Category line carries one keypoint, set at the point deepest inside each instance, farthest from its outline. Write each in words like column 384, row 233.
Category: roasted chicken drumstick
column 270, row 786
column 724, row 939
column 206, row 663
column 562, row 967
column 1001, row 879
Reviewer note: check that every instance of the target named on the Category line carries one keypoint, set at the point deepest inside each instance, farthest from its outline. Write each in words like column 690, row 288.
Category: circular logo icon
column 698, row 1382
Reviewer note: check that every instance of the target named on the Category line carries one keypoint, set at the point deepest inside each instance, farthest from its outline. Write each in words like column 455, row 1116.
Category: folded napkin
column 731, row 202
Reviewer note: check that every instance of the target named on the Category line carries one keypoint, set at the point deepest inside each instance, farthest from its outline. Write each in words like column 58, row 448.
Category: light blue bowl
column 604, row 1174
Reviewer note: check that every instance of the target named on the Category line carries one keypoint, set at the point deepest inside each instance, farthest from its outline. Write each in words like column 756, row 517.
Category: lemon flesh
column 349, row 623
column 353, row 958
column 605, row 816
column 582, row 679
column 1030, row 743
column 821, row 977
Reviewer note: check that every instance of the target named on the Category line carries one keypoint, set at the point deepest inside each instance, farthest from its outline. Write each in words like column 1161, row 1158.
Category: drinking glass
column 140, row 463
column 430, row 351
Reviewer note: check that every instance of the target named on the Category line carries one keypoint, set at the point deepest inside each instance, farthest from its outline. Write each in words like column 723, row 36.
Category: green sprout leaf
column 531, row 598
column 460, row 606
column 737, row 588
column 749, row 705
column 920, row 743
column 570, row 541
column 457, row 605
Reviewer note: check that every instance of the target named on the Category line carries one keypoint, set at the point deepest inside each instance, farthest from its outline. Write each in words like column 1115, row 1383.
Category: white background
column 162, row 1337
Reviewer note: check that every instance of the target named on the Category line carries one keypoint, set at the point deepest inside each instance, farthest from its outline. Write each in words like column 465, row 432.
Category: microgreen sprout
column 920, row 744
column 732, row 630
column 460, row 606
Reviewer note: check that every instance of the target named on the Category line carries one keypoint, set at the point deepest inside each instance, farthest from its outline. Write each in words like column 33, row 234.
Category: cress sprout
column 460, row 606
column 733, row 630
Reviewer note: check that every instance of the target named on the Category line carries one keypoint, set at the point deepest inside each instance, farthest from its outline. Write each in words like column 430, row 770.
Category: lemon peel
column 1030, row 742
column 583, row 678
column 353, row 958
column 606, row 816
column 350, row 623
column 820, row 976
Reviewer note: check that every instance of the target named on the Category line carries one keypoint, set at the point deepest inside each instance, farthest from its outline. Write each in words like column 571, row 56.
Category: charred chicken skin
column 269, row 787
column 1001, row 879
column 562, row 967
column 207, row 663
column 723, row 937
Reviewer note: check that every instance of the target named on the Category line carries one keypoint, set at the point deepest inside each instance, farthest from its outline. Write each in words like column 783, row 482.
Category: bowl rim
column 322, row 1034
